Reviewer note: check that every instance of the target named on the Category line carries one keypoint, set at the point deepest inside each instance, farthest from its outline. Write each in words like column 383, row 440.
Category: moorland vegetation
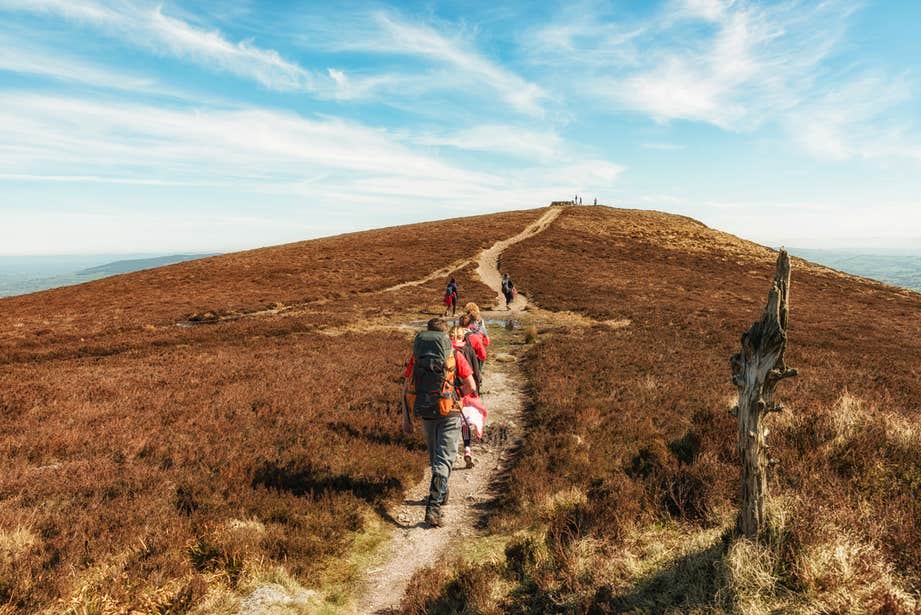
column 176, row 436
column 172, row 436
column 623, row 494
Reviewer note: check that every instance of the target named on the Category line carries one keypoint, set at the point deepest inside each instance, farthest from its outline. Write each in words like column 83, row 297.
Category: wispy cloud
column 759, row 61
column 458, row 64
column 730, row 64
column 852, row 120
column 54, row 139
column 515, row 141
column 416, row 39
column 148, row 26
column 735, row 64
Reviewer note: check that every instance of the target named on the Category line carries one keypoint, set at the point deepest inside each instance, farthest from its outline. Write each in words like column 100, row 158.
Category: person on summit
column 451, row 298
column 436, row 378
column 508, row 290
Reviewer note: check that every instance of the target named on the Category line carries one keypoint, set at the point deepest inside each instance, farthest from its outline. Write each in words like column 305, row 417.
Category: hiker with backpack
column 474, row 340
column 435, row 380
column 473, row 412
column 508, row 291
column 451, row 298
column 477, row 324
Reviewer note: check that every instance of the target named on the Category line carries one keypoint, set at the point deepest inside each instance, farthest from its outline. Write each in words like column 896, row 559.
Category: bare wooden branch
column 756, row 370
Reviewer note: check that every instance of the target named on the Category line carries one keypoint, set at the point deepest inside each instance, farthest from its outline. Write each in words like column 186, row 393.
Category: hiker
column 596, row 201
column 451, row 298
column 580, row 200
column 508, row 290
column 475, row 341
column 434, row 378
column 477, row 324
column 472, row 409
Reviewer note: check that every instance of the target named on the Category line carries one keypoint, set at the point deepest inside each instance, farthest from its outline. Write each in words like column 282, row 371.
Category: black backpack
column 474, row 361
column 431, row 393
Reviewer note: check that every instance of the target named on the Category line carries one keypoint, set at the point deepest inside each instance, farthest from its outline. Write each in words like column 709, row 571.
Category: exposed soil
column 489, row 261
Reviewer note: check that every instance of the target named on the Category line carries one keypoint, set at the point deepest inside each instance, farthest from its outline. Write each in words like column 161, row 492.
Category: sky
column 132, row 126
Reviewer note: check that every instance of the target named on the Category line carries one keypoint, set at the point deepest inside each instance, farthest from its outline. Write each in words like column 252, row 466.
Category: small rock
column 269, row 597
column 503, row 357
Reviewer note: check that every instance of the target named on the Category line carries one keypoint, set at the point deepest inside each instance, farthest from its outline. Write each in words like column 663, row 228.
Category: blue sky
column 174, row 126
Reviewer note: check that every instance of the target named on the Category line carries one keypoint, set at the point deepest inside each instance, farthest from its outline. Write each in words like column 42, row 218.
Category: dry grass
column 636, row 418
column 150, row 467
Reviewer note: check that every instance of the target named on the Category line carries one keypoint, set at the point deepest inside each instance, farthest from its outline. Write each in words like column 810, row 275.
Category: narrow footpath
column 414, row 545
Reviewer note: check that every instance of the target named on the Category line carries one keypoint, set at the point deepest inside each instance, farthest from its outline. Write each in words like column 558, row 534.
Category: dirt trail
column 414, row 545
column 488, row 260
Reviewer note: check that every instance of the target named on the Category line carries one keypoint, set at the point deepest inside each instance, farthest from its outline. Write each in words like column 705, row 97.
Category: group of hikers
column 577, row 200
column 450, row 299
column 442, row 385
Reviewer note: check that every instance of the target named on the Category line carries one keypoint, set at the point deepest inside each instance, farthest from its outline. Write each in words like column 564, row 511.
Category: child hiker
column 473, row 412
column 477, row 324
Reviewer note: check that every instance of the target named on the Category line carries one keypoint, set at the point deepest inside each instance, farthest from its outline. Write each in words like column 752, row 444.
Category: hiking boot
column 438, row 491
column 433, row 516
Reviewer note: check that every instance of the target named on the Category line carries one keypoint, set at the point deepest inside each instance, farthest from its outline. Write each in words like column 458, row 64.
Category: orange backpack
column 431, row 392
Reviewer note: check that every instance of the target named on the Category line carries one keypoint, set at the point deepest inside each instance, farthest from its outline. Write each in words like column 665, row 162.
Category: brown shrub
column 134, row 448
column 656, row 395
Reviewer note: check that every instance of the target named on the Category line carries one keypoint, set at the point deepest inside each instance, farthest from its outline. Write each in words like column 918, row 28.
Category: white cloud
column 20, row 57
column 420, row 40
column 730, row 64
column 49, row 141
column 146, row 25
column 512, row 140
column 462, row 66
column 848, row 121
column 79, row 137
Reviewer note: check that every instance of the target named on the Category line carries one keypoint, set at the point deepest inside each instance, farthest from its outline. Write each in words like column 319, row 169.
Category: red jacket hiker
column 478, row 344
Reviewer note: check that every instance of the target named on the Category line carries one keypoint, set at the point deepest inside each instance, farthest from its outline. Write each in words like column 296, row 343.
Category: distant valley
column 896, row 267
column 20, row 275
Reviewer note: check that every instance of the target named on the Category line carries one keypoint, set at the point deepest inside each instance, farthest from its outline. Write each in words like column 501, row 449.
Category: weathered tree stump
column 756, row 370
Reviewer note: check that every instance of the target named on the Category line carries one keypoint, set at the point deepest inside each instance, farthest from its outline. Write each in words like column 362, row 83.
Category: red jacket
column 478, row 345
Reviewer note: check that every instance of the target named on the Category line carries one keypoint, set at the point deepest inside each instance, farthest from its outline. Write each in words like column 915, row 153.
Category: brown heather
column 147, row 460
column 622, row 495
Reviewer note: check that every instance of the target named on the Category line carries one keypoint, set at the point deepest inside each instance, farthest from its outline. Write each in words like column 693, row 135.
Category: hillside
column 149, row 457
column 622, row 499
column 173, row 437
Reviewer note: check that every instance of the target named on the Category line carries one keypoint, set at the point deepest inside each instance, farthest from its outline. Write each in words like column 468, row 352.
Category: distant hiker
column 575, row 200
column 435, row 379
column 508, row 291
column 472, row 408
column 451, row 298
column 580, row 200
column 477, row 325
column 596, row 201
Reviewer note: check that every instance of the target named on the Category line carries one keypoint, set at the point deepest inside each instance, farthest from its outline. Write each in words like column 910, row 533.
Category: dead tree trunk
column 756, row 370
